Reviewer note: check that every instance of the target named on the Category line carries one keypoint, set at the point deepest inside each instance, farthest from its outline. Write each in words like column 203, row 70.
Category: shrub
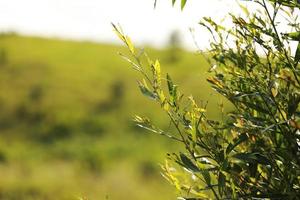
column 254, row 153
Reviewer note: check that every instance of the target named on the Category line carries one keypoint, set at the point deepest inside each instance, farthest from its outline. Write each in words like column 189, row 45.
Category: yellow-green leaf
column 157, row 72
column 215, row 82
column 239, row 123
column 294, row 36
column 118, row 32
column 274, row 91
column 183, row 2
column 244, row 9
column 129, row 44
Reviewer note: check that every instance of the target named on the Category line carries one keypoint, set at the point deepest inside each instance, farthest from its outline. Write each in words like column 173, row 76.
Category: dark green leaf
column 173, row 2
column 206, row 176
column 221, row 181
column 297, row 55
column 256, row 107
column 188, row 163
column 252, row 158
column 253, row 169
column 241, row 138
column 288, row 3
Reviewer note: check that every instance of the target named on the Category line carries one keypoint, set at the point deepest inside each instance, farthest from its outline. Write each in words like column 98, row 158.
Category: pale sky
column 90, row 19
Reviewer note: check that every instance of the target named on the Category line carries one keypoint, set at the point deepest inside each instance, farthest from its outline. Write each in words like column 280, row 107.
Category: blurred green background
column 66, row 128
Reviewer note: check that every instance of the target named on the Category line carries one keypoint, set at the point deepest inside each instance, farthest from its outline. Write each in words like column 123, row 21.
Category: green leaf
column 118, row 32
column 187, row 163
column 173, row 2
column 221, row 183
column 183, row 2
column 129, row 44
column 256, row 107
column 157, row 72
column 123, row 37
column 294, row 36
column 244, row 9
column 170, row 84
column 246, row 157
column 172, row 90
column 289, row 3
column 233, row 189
column 297, row 55
column 241, row 138
column 261, row 21
column 134, row 65
column 145, row 90
column 274, row 91
column 206, row 176
column 252, row 158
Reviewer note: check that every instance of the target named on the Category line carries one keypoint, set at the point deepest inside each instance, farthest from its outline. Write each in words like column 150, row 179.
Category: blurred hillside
column 65, row 120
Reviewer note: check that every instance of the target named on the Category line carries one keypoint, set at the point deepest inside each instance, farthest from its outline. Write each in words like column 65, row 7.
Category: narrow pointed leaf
column 170, row 84
column 297, row 55
column 183, row 2
column 206, row 176
column 157, row 72
column 188, row 163
column 144, row 89
column 221, row 181
column 241, row 138
column 173, row 2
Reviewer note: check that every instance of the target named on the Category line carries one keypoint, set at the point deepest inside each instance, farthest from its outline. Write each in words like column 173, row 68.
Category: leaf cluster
column 255, row 151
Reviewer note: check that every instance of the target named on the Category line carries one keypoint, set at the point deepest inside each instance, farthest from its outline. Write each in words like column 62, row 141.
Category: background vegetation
column 66, row 126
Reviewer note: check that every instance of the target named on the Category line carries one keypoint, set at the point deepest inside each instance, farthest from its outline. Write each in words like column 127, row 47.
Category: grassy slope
column 50, row 87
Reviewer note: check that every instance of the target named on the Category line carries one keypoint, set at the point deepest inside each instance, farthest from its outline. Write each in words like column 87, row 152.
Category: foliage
column 254, row 152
